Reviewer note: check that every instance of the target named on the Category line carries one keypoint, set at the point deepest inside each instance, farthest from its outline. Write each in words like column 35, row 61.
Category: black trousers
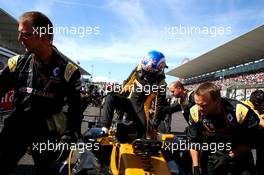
column 241, row 165
column 260, row 153
column 115, row 101
column 167, row 122
column 21, row 131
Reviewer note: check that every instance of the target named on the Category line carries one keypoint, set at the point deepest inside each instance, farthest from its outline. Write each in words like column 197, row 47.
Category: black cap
column 257, row 97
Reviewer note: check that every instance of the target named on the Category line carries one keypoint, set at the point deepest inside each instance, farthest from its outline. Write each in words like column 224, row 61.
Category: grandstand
column 237, row 66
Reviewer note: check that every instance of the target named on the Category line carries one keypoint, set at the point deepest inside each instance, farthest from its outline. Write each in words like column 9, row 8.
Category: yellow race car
column 120, row 153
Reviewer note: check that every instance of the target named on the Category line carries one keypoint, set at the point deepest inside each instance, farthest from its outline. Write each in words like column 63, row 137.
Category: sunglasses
column 25, row 35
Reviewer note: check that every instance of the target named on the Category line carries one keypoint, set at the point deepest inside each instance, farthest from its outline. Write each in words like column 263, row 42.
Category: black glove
column 196, row 170
column 219, row 160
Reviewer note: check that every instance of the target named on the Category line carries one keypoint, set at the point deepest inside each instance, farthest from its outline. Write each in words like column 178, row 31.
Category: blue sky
column 120, row 32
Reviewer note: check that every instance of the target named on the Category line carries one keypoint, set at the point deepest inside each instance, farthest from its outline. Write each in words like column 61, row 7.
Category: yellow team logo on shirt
column 241, row 112
column 12, row 62
column 194, row 113
column 70, row 69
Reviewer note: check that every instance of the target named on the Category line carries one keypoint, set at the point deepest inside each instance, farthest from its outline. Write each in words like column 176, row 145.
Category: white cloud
column 78, row 3
column 143, row 35
column 104, row 79
column 44, row 6
column 101, row 78
column 130, row 11
column 131, row 50
column 139, row 28
column 171, row 65
column 115, row 52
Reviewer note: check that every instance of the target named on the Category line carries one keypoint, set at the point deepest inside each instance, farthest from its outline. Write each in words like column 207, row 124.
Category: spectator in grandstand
column 228, row 125
column 244, row 79
column 256, row 102
column 146, row 82
column 43, row 79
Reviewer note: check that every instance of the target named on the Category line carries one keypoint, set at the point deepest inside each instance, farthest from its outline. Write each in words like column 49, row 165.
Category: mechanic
column 256, row 103
column 42, row 78
column 229, row 125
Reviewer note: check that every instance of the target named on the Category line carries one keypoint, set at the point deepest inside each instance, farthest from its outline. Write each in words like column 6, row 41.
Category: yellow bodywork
column 166, row 137
column 125, row 162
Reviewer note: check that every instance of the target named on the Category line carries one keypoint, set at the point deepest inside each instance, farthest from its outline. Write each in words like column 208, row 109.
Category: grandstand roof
column 9, row 34
column 245, row 48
